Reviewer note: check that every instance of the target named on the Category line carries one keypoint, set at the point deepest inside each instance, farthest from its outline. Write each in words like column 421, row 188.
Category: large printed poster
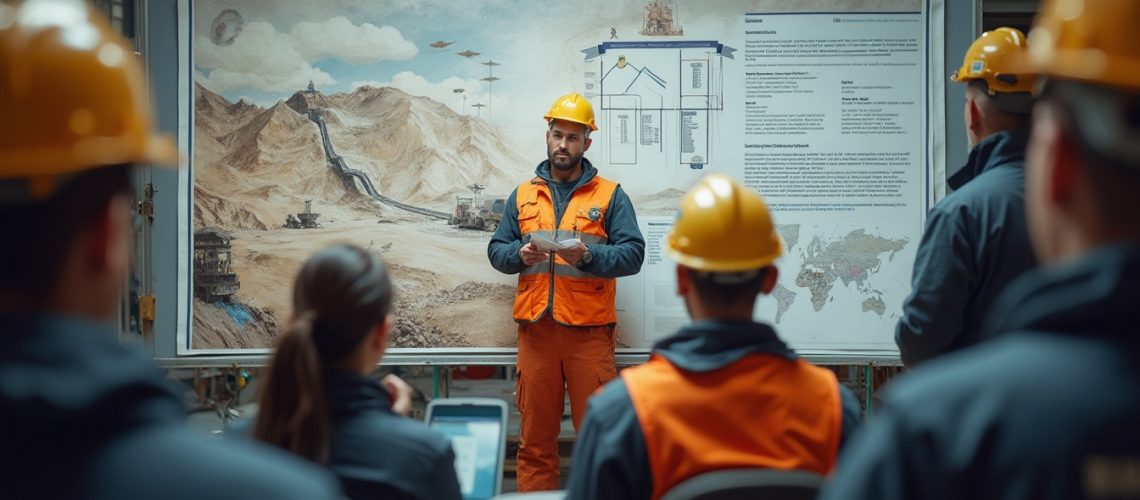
column 402, row 126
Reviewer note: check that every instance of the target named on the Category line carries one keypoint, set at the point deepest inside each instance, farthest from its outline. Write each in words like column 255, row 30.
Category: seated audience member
column 83, row 416
column 1050, row 409
column 724, row 392
column 317, row 401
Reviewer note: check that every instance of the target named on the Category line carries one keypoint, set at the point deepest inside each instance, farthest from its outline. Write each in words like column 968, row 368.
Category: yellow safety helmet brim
column 990, row 58
column 1093, row 41
column 572, row 108
column 723, row 226
column 73, row 94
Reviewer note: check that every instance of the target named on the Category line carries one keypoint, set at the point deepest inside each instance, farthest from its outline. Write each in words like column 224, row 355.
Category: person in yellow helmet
column 564, row 304
column 724, row 392
column 975, row 241
column 1049, row 410
column 83, row 415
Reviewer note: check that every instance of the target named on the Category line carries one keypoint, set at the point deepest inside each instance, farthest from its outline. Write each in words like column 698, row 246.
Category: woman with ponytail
column 317, row 401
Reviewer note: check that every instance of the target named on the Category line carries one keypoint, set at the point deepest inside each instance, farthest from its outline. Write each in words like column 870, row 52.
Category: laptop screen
column 476, row 434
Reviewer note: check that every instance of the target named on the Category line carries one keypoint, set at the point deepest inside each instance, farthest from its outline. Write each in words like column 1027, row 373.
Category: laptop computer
column 478, row 431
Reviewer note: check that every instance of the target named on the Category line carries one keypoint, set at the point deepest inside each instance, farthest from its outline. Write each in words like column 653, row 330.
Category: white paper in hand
column 548, row 245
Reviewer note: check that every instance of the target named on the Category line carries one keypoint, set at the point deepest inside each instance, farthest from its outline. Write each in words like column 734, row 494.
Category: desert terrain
column 253, row 166
column 447, row 295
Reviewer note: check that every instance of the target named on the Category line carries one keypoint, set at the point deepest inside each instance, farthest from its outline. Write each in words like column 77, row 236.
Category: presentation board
column 402, row 127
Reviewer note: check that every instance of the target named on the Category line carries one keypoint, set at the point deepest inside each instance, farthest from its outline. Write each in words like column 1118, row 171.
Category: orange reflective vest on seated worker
column 762, row 411
column 574, row 296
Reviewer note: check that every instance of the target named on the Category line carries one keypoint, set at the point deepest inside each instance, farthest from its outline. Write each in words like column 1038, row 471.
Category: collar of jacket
column 350, row 394
column 1094, row 295
column 1002, row 148
column 713, row 344
column 588, row 173
column 56, row 368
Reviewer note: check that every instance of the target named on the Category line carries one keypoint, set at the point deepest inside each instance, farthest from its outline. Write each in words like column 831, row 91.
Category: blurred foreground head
column 76, row 118
column 1083, row 163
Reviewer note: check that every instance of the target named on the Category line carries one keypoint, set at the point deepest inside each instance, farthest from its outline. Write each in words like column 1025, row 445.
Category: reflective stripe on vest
column 575, row 297
column 762, row 411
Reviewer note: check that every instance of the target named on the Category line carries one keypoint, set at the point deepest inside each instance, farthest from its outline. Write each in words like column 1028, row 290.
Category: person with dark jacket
column 975, row 241
column 724, row 392
column 88, row 417
column 82, row 415
column 318, row 402
column 565, row 303
column 1049, row 410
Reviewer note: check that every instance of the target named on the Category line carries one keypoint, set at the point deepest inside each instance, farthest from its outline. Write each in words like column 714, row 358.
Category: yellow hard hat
column 72, row 94
column 1094, row 41
column 724, row 226
column 991, row 58
column 572, row 108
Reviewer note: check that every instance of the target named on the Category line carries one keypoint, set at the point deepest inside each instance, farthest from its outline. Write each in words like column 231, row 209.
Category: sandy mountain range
column 664, row 202
column 253, row 165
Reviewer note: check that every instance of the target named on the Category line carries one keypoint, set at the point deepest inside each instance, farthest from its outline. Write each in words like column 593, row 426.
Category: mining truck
column 303, row 220
column 477, row 211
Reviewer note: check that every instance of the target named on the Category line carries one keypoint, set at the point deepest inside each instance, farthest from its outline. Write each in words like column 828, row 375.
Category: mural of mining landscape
column 400, row 126
column 279, row 175
column 281, row 182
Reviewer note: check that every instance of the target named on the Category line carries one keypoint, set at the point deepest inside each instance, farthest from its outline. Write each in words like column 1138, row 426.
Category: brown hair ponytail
column 293, row 412
column 341, row 294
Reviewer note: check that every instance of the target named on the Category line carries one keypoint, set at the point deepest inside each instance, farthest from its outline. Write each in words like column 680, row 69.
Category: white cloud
column 259, row 59
column 289, row 13
column 263, row 59
column 338, row 38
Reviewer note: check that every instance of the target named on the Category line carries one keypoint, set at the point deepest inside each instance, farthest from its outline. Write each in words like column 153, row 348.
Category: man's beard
column 569, row 162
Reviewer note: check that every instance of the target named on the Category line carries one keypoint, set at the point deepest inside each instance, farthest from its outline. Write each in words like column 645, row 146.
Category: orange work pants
column 554, row 358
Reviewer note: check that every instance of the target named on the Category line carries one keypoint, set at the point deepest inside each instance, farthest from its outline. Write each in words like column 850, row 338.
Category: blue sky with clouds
column 420, row 23
column 342, row 44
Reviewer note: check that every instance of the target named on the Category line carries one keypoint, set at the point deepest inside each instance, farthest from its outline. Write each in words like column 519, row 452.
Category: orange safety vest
column 762, row 411
column 576, row 297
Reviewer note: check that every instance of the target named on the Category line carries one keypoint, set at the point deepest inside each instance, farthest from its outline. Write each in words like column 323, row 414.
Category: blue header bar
column 601, row 48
